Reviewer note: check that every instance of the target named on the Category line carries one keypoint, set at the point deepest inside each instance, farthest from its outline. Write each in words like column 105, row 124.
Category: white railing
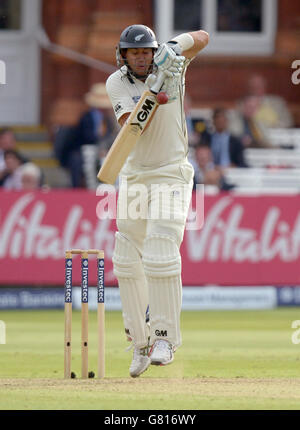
column 285, row 137
column 86, row 60
column 264, row 179
column 264, row 157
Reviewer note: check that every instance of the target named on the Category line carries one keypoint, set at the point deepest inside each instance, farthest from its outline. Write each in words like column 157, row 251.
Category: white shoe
column 161, row 353
column 140, row 362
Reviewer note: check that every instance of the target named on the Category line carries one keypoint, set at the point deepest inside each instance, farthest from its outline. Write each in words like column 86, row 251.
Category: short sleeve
column 119, row 96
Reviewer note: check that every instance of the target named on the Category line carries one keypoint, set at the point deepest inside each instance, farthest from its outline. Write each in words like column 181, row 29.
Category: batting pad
column 162, row 264
column 128, row 269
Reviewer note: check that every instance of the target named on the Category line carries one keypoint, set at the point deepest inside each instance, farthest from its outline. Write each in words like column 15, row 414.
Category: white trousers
column 152, row 211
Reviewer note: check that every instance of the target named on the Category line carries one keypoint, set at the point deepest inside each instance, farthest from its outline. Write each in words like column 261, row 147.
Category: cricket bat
column 129, row 133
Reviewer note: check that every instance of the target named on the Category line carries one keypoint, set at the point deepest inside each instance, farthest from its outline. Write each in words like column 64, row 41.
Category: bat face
column 127, row 138
column 144, row 113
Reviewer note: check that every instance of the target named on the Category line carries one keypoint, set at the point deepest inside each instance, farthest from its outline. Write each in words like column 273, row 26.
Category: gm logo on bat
column 2, row 73
column 144, row 112
column 146, row 109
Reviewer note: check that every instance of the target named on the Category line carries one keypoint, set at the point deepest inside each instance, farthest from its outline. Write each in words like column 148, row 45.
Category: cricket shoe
column 140, row 361
column 161, row 353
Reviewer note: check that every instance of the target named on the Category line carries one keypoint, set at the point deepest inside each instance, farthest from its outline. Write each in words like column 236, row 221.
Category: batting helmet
column 138, row 36
column 135, row 36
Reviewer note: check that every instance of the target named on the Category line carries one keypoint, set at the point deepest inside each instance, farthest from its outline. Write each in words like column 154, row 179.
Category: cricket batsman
column 147, row 260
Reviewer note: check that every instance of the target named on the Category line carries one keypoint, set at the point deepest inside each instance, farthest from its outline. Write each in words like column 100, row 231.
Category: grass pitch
column 228, row 360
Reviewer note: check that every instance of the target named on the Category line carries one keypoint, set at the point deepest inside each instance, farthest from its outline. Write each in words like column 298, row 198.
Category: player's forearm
column 123, row 118
column 193, row 42
column 201, row 39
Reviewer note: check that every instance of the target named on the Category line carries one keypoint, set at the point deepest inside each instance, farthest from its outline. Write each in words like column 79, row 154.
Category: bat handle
column 158, row 84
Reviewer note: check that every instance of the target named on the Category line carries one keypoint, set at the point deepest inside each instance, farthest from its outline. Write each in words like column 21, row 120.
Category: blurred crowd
column 95, row 131
column 216, row 143
column 220, row 142
column 16, row 172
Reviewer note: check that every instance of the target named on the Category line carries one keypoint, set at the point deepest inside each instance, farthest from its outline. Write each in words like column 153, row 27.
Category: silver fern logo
column 139, row 37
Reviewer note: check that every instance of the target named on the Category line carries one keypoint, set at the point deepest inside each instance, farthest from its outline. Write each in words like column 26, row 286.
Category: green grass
column 228, row 360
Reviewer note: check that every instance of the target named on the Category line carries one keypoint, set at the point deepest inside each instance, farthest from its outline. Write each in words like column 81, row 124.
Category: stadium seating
column 273, row 170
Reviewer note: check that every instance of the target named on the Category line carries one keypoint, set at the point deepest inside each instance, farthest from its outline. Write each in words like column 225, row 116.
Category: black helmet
column 134, row 36
column 137, row 36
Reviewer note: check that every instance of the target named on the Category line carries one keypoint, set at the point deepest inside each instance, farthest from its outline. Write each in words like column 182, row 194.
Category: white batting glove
column 167, row 61
column 168, row 86
column 151, row 80
column 171, row 87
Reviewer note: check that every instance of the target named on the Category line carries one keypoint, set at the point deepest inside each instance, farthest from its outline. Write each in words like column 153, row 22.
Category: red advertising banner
column 245, row 240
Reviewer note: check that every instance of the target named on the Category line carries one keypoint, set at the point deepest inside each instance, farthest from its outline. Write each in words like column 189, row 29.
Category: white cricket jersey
column 165, row 140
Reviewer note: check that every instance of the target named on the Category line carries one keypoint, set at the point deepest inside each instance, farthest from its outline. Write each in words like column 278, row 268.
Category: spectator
column 31, row 177
column 227, row 150
column 7, row 142
column 205, row 170
column 11, row 179
column 95, row 127
column 100, row 116
column 192, row 134
column 272, row 111
column 246, row 127
column 101, row 109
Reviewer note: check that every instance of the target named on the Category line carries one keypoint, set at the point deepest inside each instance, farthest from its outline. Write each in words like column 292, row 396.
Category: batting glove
column 168, row 61
column 171, row 87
